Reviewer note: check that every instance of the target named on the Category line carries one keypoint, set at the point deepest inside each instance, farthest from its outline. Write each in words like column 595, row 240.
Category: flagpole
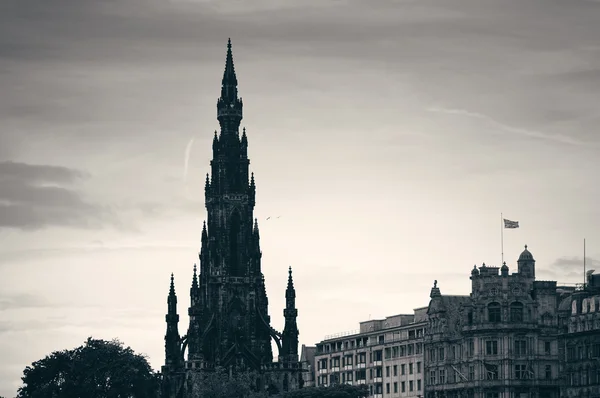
column 584, row 275
column 501, row 239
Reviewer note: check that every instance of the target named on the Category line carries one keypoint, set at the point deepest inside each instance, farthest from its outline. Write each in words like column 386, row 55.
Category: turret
column 173, row 357
column 526, row 264
column 229, row 106
column 290, row 331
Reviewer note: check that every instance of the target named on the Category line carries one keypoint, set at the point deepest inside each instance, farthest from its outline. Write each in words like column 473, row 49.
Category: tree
column 336, row 391
column 97, row 369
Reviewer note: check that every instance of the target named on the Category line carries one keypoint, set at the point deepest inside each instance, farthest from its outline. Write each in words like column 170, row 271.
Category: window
column 395, row 352
column 395, row 370
column 395, row 387
column 520, row 348
column 419, row 385
column 403, row 369
column 403, row 386
column 442, row 376
column 547, row 347
column 410, row 368
column 516, row 312
column 492, row 394
column 378, row 355
column 471, row 372
column 470, row 318
column 494, row 313
column 548, row 372
column 410, row 349
column 388, row 353
column 418, row 367
column 520, row 372
column 387, row 388
column 410, row 385
column 491, row 372
column 432, row 355
column 431, row 377
column 491, row 347
column 471, row 348
column 387, row 371
column 441, row 353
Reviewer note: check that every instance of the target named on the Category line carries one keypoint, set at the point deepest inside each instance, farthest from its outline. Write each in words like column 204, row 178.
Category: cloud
column 570, row 263
column 508, row 128
column 38, row 196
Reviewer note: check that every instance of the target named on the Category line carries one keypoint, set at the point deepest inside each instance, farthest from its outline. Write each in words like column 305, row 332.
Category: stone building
column 307, row 358
column 228, row 314
column 386, row 355
column 579, row 319
column 498, row 342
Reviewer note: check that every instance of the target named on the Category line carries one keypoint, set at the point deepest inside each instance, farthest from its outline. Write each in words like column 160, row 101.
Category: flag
column 510, row 224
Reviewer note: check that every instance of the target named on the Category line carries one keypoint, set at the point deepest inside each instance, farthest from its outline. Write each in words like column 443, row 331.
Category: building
column 579, row 320
column 307, row 358
column 229, row 322
column 386, row 355
column 501, row 341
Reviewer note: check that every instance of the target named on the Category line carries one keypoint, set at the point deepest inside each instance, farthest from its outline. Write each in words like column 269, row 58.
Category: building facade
column 386, row 355
column 501, row 341
column 228, row 314
column 579, row 319
column 307, row 358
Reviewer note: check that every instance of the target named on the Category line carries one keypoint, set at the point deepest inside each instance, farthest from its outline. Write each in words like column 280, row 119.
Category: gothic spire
column 195, row 279
column 229, row 77
column 229, row 106
column 290, row 291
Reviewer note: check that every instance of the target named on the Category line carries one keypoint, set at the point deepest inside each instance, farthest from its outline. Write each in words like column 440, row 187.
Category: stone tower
column 229, row 322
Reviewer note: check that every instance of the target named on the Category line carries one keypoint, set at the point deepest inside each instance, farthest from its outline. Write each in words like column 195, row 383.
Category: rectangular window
column 395, row 370
column 441, row 353
column 419, row 385
column 547, row 347
column 403, row 386
column 491, row 372
column 410, row 385
column 410, row 368
column 432, row 378
column 492, row 394
column 402, row 369
column 548, row 372
column 491, row 347
column 387, row 388
column 395, row 387
column 520, row 372
column 520, row 348
column 410, row 349
column 395, row 352
column 418, row 367
column 442, row 376
column 471, row 349
column 432, row 355
column 387, row 371
column 471, row 372
column 388, row 353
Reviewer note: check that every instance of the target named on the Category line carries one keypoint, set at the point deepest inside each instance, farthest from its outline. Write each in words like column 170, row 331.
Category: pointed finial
column 252, row 178
column 525, row 247
column 244, row 131
column 195, row 279
column 172, row 289
column 229, row 43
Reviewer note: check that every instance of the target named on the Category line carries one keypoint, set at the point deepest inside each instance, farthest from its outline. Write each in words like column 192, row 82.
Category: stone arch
column 235, row 266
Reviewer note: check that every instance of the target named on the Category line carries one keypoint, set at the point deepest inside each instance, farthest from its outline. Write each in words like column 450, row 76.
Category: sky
column 388, row 136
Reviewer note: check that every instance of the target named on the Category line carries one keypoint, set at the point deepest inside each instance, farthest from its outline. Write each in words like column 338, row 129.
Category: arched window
column 516, row 312
column 494, row 313
column 234, row 231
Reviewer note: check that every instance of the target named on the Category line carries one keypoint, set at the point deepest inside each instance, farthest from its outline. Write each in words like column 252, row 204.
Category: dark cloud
column 37, row 196
column 571, row 263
